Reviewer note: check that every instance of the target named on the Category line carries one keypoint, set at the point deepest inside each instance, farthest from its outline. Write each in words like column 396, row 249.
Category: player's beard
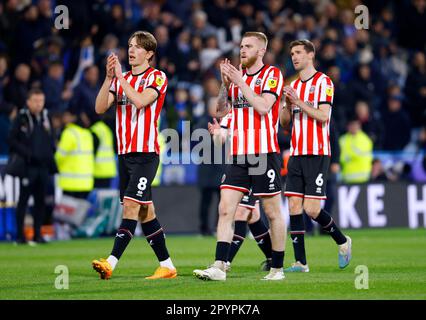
column 249, row 62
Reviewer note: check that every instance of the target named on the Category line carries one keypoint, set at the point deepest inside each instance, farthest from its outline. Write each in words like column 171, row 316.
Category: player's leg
column 127, row 227
column 234, row 184
column 262, row 236
column 295, row 189
column 154, row 234
column 240, row 229
column 316, row 178
column 267, row 185
column 124, row 234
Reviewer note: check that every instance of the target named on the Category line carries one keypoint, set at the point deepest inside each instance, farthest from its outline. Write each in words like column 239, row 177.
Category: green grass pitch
column 395, row 258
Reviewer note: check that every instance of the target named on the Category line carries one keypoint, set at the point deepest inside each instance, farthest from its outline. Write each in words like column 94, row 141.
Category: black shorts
column 307, row 177
column 137, row 171
column 249, row 200
column 262, row 177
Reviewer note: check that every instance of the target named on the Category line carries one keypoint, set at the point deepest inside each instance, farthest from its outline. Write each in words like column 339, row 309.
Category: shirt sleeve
column 326, row 94
column 158, row 82
column 113, row 86
column 225, row 122
column 274, row 82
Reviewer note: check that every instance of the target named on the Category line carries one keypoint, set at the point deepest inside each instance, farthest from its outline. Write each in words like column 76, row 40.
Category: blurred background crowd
column 379, row 73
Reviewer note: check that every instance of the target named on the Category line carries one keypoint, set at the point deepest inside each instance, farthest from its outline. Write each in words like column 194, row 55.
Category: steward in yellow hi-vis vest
column 356, row 154
column 75, row 159
column 105, row 164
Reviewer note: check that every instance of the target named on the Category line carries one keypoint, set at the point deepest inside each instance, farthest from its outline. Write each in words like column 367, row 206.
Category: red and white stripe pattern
column 136, row 130
column 250, row 132
column 309, row 136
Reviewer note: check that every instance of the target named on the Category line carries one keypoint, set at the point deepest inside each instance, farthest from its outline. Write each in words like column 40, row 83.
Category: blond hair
column 259, row 35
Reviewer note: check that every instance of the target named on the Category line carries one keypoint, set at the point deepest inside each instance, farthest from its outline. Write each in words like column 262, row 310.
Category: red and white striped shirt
column 250, row 132
column 309, row 136
column 136, row 130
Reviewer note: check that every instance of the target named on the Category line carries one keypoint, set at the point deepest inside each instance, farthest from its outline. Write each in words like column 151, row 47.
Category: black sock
column 155, row 236
column 222, row 249
column 240, row 230
column 277, row 259
column 263, row 238
column 328, row 225
column 123, row 236
column 297, row 234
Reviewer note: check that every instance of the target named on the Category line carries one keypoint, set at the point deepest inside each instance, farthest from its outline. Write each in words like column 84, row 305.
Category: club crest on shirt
column 272, row 82
column 142, row 83
column 159, row 81
column 329, row 91
column 258, row 82
column 312, row 89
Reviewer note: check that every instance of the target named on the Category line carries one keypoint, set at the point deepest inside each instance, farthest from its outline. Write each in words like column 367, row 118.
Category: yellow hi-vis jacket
column 105, row 165
column 75, row 159
column 356, row 156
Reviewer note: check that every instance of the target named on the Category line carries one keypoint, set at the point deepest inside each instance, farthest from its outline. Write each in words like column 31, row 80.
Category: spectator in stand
column 17, row 89
column 341, row 108
column 85, row 93
column 415, row 90
column 356, row 154
column 183, row 109
column 210, row 52
column 362, row 87
column 349, row 58
column 161, row 33
column 412, row 17
column 4, row 77
column 186, row 58
column 54, row 84
column 151, row 17
column 200, row 26
column 397, row 125
column 30, row 29
column 378, row 173
column 369, row 124
column 418, row 169
column 118, row 24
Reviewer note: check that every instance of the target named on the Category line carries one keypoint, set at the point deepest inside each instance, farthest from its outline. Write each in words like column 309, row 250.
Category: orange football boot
column 163, row 273
column 102, row 267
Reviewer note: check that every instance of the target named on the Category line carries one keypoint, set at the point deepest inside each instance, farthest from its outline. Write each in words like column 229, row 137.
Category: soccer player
column 253, row 93
column 248, row 211
column 309, row 99
column 139, row 96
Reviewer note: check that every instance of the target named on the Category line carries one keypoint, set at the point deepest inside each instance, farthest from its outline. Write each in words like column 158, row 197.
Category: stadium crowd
column 379, row 73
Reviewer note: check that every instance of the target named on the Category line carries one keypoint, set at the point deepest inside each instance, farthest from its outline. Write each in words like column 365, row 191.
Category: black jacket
column 32, row 139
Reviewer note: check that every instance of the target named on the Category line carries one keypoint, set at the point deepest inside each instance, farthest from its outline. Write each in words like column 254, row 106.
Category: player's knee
column 312, row 209
column 271, row 211
column 224, row 211
column 295, row 205
column 130, row 210
column 242, row 213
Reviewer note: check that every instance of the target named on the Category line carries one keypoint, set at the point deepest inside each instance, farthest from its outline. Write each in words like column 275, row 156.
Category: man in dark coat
column 31, row 139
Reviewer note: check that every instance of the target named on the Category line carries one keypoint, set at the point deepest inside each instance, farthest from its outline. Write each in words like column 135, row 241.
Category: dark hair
column 34, row 91
column 307, row 45
column 146, row 40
